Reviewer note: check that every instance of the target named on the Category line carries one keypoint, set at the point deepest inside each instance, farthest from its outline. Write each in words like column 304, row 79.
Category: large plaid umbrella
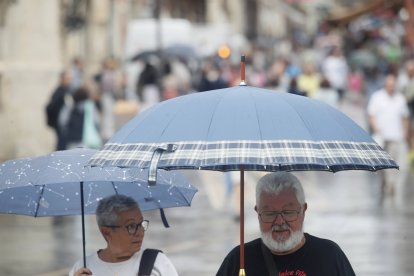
column 58, row 184
column 243, row 128
column 260, row 129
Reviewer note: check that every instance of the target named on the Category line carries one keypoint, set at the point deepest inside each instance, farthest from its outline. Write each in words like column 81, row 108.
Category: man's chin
column 282, row 241
column 281, row 236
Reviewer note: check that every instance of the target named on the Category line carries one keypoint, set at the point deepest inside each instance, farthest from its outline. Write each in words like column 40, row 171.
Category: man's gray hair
column 109, row 207
column 277, row 182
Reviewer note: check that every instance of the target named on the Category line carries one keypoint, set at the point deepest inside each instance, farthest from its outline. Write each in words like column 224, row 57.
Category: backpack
column 147, row 261
column 54, row 106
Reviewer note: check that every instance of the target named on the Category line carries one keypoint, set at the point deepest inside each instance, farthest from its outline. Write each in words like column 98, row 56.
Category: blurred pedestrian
column 308, row 81
column 388, row 117
column 211, row 78
column 355, row 86
column 335, row 69
column 405, row 84
column 182, row 74
column 327, row 94
column 55, row 106
column 277, row 76
column 373, row 81
column 123, row 227
column 81, row 121
column 77, row 72
column 284, row 249
column 149, row 78
column 170, row 87
column 294, row 89
column 109, row 81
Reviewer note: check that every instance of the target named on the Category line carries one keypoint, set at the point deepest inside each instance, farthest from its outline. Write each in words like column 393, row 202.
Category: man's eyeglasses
column 271, row 216
column 132, row 228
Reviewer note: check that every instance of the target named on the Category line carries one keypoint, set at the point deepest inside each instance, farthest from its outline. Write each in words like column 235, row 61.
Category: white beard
column 282, row 246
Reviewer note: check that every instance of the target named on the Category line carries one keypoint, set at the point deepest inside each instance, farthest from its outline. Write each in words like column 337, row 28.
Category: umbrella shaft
column 241, row 218
column 83, row 224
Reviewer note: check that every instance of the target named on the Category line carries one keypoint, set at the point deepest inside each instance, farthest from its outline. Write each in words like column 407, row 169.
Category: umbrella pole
column 241, row 271
column 83, row 224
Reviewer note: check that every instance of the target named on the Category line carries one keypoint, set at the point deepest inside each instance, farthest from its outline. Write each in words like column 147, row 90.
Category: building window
column 193, row 10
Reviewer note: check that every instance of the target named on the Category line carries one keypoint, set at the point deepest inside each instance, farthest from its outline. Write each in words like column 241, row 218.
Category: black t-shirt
column 317, row 257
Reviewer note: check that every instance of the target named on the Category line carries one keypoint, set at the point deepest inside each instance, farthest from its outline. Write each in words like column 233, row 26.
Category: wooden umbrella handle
column 243, row 70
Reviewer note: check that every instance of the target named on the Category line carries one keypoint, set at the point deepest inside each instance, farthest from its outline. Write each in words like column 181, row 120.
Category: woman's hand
column 83, row 271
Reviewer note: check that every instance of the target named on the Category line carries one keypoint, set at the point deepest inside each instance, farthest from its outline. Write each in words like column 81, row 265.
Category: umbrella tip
column 242, row 70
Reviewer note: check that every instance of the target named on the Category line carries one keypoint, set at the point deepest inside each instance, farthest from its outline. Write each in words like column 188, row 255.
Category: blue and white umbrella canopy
column 258, row 129
column 58, row 184
column 49, row 185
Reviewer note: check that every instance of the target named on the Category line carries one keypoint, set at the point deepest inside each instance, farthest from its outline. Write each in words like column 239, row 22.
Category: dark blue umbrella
column 243, row 128
column 179, row 51
column 58, row 184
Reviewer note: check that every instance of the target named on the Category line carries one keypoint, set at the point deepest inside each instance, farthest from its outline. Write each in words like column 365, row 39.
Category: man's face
column 120, row 241
column 285, row 234
column 66, row 79
column 390, row 84
column 410, row 69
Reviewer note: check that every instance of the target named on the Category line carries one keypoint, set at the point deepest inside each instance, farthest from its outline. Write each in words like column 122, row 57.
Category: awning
column 348, row 14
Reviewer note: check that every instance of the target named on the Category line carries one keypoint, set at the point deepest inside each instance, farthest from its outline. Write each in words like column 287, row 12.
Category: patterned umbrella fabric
column 49, row 185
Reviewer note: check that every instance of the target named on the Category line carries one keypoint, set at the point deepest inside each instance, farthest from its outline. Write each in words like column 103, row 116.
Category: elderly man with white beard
column 284, row 249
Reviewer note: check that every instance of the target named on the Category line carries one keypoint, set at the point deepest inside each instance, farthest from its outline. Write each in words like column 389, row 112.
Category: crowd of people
column 82, row 113
column 80, row 110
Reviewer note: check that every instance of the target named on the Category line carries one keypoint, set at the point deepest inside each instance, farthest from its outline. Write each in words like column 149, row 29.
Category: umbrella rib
column 113, row 186
column 257, row 118
column 303, row 121
column 38, row 201
column 83, row 222
column 210, row 123
column 297, row 113
column 168, row 123
column 211, row 120
column 181, row 193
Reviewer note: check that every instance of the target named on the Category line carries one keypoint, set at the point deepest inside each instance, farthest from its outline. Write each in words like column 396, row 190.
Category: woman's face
column 120, row 241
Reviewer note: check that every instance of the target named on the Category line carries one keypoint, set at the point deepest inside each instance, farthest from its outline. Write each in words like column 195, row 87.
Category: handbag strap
column 147, row 261
column 270, row 263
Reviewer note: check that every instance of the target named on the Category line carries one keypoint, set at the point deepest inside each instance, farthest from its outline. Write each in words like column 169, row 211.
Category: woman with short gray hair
column 123, row 227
